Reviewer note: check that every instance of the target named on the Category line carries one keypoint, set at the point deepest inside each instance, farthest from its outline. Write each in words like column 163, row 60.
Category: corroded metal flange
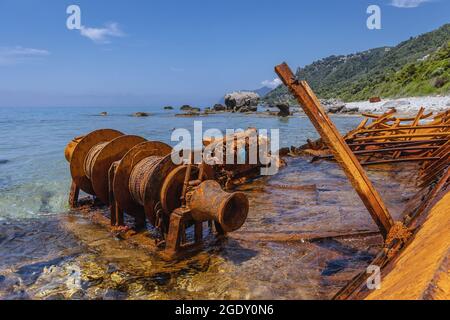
column 80, row 152
column 172, row 188
column 121, row 179
column 111, row 152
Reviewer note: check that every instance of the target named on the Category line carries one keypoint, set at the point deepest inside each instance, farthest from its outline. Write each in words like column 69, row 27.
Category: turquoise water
column 34, row 175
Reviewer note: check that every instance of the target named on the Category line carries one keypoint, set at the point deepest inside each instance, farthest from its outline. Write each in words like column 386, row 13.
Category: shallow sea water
column 40, row 258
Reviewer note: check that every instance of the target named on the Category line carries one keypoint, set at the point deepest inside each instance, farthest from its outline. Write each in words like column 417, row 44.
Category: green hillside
column 418, row 66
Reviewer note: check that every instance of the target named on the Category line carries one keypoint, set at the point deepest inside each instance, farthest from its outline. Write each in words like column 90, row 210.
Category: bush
column 440, row 82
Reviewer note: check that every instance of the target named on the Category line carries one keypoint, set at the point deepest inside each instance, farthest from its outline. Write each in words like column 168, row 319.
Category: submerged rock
column 188, row 114
column 141, row 114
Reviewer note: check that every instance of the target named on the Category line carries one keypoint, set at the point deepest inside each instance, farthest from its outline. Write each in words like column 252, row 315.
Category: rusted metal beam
column 412, row 159
column 412, row 128
column 300, row 237
column 387, row 150
column 398, row 143
column 73, row 195
column 341, row 151
column 376, row 116
column 401, row 136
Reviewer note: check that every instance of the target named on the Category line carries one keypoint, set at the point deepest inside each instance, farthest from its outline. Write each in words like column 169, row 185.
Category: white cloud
column 14, row 55
column 407, row 3
column 271, row 83
column 102, row 35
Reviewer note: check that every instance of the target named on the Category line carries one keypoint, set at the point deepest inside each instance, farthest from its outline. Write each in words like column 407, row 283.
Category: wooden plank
column 345, row 157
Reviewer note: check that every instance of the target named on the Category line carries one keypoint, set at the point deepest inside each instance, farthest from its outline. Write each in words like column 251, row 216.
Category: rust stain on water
column 41, row 260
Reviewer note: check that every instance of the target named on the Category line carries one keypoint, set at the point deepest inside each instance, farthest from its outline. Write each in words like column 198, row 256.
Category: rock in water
column 237, row 100
column 141, row 114
column 104, row 113
column 284, row 109
column 189, row 109
column 168, row 108
column 247, row 109
column 186, row 107
column 219, row 107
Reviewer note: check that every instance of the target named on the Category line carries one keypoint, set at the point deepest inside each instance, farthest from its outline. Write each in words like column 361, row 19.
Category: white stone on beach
column 404, row 105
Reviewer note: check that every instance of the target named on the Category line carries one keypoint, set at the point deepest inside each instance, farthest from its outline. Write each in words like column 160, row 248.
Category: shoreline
column 403, row 106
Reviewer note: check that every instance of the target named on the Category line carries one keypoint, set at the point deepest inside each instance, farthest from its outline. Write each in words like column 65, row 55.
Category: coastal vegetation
column 418, row 66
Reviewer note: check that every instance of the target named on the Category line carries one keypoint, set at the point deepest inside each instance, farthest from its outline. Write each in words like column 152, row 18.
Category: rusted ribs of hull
column 386, row 139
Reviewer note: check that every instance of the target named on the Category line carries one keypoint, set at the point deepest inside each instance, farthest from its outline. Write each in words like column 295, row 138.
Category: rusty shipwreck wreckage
column 137, row 177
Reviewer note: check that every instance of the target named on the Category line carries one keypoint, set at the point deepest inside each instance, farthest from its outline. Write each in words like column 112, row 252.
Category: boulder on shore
column 237, row 100
column 333, row 105
column 350, row 110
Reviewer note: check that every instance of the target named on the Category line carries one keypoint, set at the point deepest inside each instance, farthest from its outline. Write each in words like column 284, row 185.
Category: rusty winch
column 138, row 178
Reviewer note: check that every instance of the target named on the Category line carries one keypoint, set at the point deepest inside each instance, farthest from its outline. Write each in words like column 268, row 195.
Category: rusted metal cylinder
column 136, row 185
column 68, row 151
column 209, row 202
column 91, row 157
column 140, row 175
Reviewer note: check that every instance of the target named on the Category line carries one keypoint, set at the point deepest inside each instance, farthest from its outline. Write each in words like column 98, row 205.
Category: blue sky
column 152, row 53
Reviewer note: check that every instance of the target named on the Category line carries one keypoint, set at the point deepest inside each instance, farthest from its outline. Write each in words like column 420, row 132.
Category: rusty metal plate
column 112, row 152
column 80, row 152
column 121, row 179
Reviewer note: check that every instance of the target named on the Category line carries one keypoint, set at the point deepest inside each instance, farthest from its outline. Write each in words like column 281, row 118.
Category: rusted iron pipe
column 209, row 202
